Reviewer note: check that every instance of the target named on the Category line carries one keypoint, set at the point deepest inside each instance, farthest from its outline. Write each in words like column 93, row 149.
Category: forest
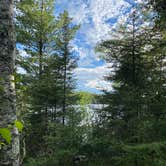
column 45, row 120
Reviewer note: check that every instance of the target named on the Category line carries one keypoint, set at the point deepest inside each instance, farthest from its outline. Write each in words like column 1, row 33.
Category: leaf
column 19, row 125
column 1, row 144
column 6, row 134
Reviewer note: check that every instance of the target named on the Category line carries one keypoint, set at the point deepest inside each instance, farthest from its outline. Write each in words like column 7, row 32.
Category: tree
column 11, row 153
column 69, row 62
column 159, row 6
column 129, row 77
column 158, row 72
column 136, row 103
column 49, row 84
column 35, row 21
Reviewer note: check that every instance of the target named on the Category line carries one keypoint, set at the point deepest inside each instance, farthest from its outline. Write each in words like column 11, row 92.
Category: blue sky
column 97, row 18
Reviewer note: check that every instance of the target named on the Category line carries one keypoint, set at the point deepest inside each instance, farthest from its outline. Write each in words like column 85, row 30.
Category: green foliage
column 133, row 120
column 40, row 162
column 129, row 130
column 19, row 125
column 1, row 145
column 85, row 98
column 142, row 154
column 45, row 93
column 6, row 134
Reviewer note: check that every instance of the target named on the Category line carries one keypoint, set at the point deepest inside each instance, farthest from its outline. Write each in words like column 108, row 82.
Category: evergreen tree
column 68, row 60
column 35, row 26
column 129, row 76
column 35, row 21
column 134, row 109
column 49, row 83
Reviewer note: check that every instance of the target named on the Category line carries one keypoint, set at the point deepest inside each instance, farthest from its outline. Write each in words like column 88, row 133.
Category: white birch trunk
column 10, row 154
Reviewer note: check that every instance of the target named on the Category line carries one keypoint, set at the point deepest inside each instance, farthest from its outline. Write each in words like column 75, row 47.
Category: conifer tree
column 134, row 108
column 35, row 25
column 68, row 60
column 49, row 66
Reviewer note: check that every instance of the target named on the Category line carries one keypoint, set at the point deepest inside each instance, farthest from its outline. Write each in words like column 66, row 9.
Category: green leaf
column 19, row 125
column 6, row 134
column 1, row 143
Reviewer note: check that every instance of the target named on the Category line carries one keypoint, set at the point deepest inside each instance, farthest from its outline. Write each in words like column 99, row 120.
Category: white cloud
column 79, row 13
column 97, row 71
column 79, row 50
column 94, row 77
column 78, row 9
column 93, row 15
column 99, row 84
column 23, row 53
column 101, row 11
column 141, row 1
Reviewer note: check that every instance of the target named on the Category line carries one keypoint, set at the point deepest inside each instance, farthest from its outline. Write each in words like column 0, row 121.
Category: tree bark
column 64, row 86
column 10, row 153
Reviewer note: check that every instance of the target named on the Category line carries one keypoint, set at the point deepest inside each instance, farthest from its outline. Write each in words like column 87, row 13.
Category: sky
column 97, row 18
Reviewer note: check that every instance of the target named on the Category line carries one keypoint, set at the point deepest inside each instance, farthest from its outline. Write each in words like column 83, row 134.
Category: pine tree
column 158, row 89
column 69, row 62
column 129, row 76
column 35, row 26
column 49, row 69
column 135, row 108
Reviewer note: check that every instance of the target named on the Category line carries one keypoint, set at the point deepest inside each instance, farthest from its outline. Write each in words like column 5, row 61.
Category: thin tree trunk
column 40, row 57
column 41, row 42
column 133, row 50
column 11, row 153
column 65, row 71
column 64, row 88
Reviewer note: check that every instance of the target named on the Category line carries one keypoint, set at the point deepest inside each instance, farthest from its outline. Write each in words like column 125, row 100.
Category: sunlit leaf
column 6, row 134
column 19, row 125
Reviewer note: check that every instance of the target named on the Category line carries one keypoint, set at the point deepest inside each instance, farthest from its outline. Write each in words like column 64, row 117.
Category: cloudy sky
column 97, row 17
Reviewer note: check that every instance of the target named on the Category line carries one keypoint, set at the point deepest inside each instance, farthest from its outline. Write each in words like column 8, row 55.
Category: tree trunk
column 10, row 153
column 41, row 41
column 64, row 85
